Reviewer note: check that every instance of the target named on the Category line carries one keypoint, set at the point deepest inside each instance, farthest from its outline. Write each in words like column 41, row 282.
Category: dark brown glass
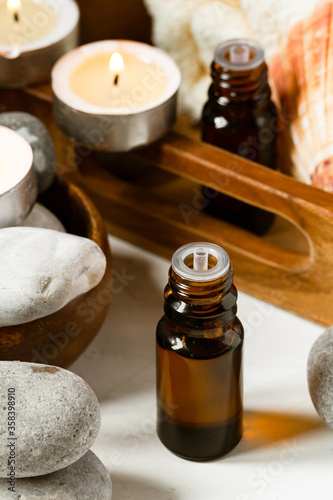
column 199, row 368
column 240, row 117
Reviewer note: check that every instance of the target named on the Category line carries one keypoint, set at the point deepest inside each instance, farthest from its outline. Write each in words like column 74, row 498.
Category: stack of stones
column 43, row 267
column 49, row 418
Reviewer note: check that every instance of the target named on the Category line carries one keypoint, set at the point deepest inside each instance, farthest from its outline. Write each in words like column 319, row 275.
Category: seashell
column 302, row 72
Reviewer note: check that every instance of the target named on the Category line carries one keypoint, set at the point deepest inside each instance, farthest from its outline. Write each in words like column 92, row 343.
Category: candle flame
column 14, row 5
column 116, row 63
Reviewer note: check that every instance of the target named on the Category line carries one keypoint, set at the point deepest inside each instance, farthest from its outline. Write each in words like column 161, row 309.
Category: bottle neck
column 200, row 305
column 234, row 86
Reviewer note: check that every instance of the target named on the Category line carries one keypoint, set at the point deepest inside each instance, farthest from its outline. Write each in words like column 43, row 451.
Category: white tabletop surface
column 286, row 452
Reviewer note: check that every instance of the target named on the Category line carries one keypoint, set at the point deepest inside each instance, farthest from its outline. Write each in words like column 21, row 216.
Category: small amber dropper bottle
column 199, row 356
column 240, row 117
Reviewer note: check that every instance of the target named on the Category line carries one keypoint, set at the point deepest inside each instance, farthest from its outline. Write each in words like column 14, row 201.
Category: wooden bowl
column 58, row 339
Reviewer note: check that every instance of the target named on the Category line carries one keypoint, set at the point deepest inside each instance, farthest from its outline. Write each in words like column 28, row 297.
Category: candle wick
column 116, row 79
column 16, row 17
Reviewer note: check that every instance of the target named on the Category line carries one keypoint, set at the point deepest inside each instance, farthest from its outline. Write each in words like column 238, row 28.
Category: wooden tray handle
column 308, row 208
column 243, row 179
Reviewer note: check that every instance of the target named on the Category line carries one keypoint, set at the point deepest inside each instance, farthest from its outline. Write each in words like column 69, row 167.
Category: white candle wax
column 140, row 82
column 15, row 159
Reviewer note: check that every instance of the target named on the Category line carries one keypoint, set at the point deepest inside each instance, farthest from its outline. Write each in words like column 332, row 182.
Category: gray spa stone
column 86, row 479
column 320, row 375
column 43, row 270
column 57, row 418
column 42, row 217
column 35, row 132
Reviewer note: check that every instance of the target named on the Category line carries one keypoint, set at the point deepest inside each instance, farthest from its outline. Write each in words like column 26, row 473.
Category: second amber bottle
column 240, row 117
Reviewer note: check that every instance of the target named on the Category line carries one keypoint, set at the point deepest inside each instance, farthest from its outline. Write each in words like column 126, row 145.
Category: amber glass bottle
column 240, row 117
column 199, row 356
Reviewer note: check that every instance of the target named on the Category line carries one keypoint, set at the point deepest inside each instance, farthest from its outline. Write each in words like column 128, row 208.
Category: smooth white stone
column 35, row 132
column 43, row 270
column 320, row 375
column 42, row 217
column 86, row 479
column 57, row 418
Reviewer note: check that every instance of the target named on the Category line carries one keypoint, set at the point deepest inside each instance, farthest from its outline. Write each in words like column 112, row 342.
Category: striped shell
column 302, row 72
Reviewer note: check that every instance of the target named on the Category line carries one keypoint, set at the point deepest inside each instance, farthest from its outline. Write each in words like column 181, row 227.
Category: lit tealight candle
column 33, row 35
column 18, row 187
column 115, row 95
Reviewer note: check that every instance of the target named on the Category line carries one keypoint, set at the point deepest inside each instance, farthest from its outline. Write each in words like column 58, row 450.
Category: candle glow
column 116, row 66
column 14, row 6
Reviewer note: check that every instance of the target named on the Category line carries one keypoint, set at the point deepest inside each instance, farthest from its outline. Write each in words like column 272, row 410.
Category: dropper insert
column 201, row 262
column 200, row 259
column 239, row 53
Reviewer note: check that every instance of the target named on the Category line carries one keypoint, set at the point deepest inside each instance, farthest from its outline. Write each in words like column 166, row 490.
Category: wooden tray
column 157, row 209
